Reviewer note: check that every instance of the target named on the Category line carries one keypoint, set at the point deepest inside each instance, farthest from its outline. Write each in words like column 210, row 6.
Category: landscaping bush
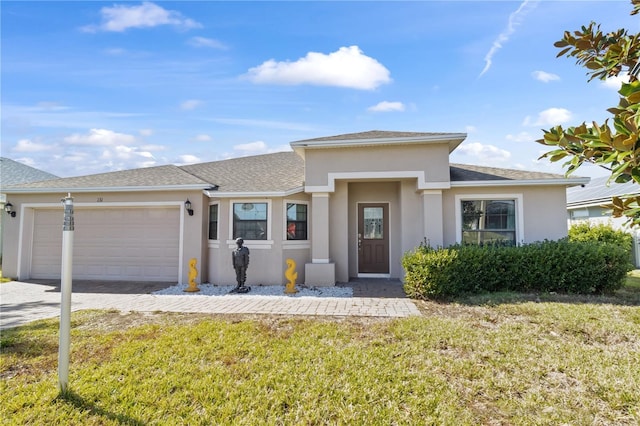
column 585, row 231
column 584, row 267
column 428, row 273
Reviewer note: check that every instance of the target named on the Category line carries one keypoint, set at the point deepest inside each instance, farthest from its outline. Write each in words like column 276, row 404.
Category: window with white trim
column 488, row 221
column 297, row 214
column 250, row 221
column 213, row 221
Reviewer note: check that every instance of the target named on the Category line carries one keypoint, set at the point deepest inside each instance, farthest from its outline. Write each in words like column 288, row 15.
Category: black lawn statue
column 240, row 261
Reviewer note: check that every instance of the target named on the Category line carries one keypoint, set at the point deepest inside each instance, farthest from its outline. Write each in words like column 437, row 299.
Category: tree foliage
column 614, row 144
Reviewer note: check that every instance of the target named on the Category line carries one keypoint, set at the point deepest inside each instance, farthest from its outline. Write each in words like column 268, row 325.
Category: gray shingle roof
column 268, row 173
column 13, row 172
column 597, row 191
column 467, row 172
column 276, row 172
column 161, row 176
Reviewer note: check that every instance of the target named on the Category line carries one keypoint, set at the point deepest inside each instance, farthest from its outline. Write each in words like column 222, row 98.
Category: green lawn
column 509, row 360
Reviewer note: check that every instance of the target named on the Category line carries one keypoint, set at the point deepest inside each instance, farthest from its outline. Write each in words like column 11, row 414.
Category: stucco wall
column 339, row 231
column 544, row 211
column 433, row 160
column 268, row 258
column 22, row 224
column 411, row 216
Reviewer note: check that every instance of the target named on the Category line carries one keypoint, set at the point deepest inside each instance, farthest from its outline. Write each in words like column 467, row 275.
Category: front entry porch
column 375, row 287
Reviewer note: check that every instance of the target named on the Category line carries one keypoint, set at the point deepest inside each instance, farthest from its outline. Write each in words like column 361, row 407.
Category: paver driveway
column 22, row 302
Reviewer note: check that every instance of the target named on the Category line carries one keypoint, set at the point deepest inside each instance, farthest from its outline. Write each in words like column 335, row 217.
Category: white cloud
column 386, row 106
column 152, row 147
column 515, row 18
column 486, row 154
column 549, row 117
column 203, row 138
column 252, row 147
column 188, row 159
column 27, row 145
column 119, row 18
column 470, row 129
column 190, row 104
column 100, row 137
column 347, row 67
column 206, row 42
column 131, row 156
column 520, row 137
column 145, row 132
column 615, row 83
column 545, row 77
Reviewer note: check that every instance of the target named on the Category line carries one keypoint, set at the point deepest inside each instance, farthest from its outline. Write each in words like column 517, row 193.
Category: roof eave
column 591, row 203
column 453, row 140
column 105, row 189
column 253, row 194
column 598, row 201
column 520, row 182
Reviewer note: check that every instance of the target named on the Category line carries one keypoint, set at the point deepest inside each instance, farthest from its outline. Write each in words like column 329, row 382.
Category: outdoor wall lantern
column 187, row 205
column 8, row 207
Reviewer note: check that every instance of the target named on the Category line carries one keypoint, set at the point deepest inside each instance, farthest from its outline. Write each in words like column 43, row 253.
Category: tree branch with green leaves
column 614, row 144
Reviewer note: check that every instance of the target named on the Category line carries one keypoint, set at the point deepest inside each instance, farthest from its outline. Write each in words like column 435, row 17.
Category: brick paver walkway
column 21, row 303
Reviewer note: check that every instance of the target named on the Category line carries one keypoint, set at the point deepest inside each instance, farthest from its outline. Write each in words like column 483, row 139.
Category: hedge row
column 605, row 233
column 549, row 266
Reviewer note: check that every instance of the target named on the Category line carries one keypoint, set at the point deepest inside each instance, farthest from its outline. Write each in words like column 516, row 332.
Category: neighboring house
column 12, row 173
column 587, row 203
column 341, row 207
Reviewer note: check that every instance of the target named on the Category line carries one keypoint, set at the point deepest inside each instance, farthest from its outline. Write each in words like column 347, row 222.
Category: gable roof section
column 276, row 173
column 13, row 172
column 145, row 179
column 270, row 173
column 462, row 175
column 598, row 192
column 380, row 137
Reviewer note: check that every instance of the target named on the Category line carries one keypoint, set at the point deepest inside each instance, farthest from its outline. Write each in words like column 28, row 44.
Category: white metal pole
column 65, row 291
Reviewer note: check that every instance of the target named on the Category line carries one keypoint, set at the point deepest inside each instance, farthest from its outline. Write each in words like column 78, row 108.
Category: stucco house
column 587, row 203
column 341, row 207
column 12, row 173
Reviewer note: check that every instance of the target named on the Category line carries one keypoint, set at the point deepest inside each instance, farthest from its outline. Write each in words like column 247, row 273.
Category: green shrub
column 604, row 233
column 563, row 266
column 428, row 271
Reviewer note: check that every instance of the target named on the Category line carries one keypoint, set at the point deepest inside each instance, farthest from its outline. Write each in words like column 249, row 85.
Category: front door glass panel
column 373, row 223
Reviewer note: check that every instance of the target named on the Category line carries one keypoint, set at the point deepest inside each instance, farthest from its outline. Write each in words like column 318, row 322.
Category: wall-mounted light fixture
column 8, row 207
column 187, row 205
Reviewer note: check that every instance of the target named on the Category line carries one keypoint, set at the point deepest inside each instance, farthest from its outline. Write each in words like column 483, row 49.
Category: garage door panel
column 110, row 244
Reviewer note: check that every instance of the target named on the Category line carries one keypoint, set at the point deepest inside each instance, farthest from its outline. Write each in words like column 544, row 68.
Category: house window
column 578, row 214
column 250, row 221
column 486, row 221
column 213, row 222
column 296, row 221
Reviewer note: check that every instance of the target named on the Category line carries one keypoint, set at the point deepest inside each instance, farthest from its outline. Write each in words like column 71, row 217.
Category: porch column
column 321, row 271
column 433, row 217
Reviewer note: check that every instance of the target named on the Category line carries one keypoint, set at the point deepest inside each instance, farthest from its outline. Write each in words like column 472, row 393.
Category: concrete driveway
column 23, row 302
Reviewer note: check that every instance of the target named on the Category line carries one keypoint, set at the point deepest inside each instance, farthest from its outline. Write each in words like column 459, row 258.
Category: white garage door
column 139, row 244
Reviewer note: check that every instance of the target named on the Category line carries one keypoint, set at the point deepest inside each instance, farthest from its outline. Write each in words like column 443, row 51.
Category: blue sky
column 90, row 87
